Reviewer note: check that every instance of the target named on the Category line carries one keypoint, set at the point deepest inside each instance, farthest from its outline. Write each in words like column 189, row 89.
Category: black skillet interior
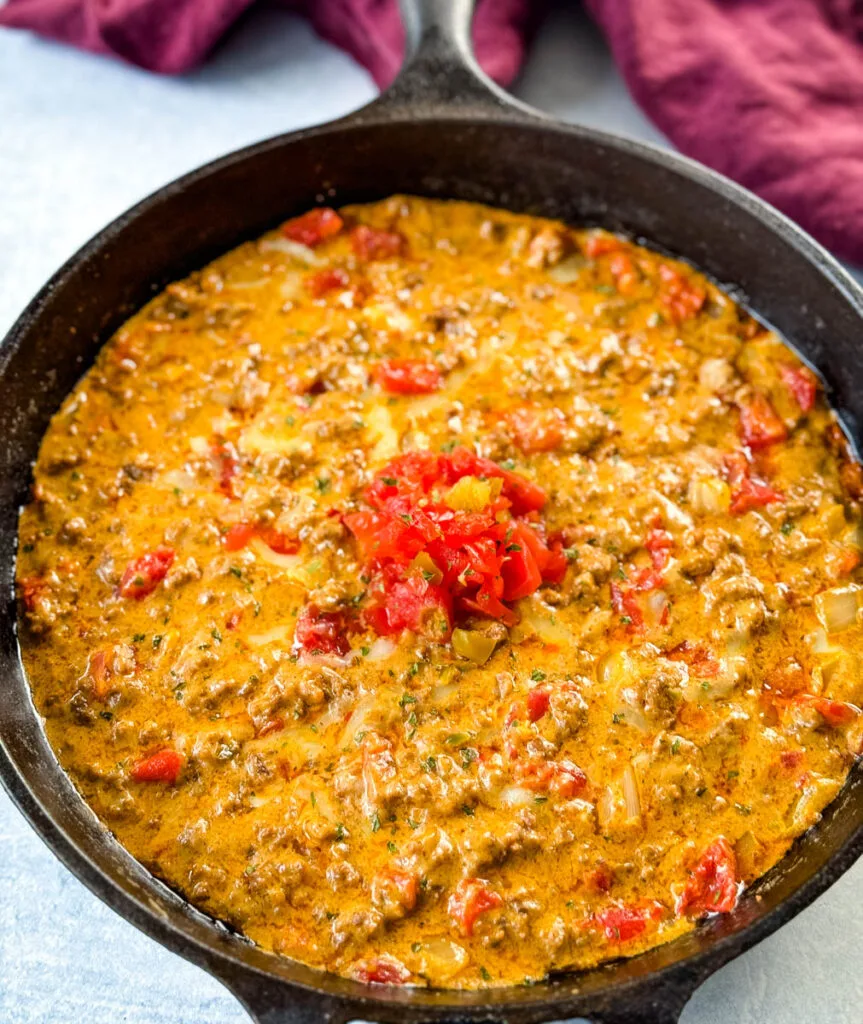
column 441, row 131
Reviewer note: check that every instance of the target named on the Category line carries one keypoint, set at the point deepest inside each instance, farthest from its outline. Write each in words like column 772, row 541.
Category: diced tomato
column 313, row 227
column 521, row 575
column 746, row 493
column 144, row 574
column 234, row 619
column 623, row 271
column 564, row 778
column 659, row 543
column 682, row 298
column 317, row 285
column 538, row 703
column 320, row 633
column 713, row 887
column 279, row 542
column 847, row 561
column 753, row 494
column 802, row 383
column 698, row 658
column 227, row 466
column 163, row 766
column 622, row 923
column 381, row 970
column 402, row 886
column 270, row 726
column 760, row 424
column 407, row 376
column 600, row 244
column 536, row 430
column 398, row 602
column 471, row 898
column 373, row 244
column 625, row 604
column 834, row 712
column 32, row 589
column 238, row 536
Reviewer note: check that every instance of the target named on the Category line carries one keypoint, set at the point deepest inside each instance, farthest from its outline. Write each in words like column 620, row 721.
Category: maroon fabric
column 770, row 92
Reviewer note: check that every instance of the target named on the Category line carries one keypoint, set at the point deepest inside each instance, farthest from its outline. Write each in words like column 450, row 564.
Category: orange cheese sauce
column 444, row 596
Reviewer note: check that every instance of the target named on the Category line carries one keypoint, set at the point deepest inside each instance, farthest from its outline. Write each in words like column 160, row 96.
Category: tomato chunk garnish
column 682, row 298
column 624, row 923
column 536, row 430
column 381, row 970
column 471, row 898
column 713, row 886
column 313, row 227
column 407, row 376
column 163, row 766
column 373, row 244
column 325, row 281
column 144, row 574
column 320, row 633
column 760, row 424
column 431, row 553
column 834, row 712
column 746, row 493
column 538, row 703
column 802, row 383
column 393, row 884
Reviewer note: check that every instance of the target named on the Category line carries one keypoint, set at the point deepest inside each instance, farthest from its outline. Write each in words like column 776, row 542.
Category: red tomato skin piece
column 752, row 494
column 238, row 536
column 407, row 376
column 713, row 887
column 317, row 285
column 622, row 924
column 834, row 712
column 144, row 574
column 374, row 244
column 383, row 970
column 163, row 766
column 535, row 430
column 471, row 898
column 538, row 703
column 802, row 383
column 313, row 227
column 760, row 424
column 320, row 632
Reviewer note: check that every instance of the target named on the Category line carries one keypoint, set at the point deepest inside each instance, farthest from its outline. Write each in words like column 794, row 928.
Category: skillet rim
column 221, row 962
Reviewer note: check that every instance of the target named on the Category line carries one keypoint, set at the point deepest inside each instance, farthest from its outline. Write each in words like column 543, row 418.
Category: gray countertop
column 81, row 139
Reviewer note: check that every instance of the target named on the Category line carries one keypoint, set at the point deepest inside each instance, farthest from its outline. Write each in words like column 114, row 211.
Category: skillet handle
column 440, row 74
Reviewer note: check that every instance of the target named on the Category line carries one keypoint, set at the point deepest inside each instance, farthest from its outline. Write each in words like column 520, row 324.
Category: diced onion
column 271, row 636
column 361, row 713
column 379, row 423
column 709, row 494
column 837, row 608
column 630, row 793
column 513, row 796
column 381, row 649
column 257, row 441
column 295, row 250
column 568, row 270
column 443, row 958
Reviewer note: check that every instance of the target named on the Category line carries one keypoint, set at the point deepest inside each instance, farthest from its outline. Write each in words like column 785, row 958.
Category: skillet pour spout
column 442, row 130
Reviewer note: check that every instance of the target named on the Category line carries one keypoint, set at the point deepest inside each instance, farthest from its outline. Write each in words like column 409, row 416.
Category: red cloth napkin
column 770, row 92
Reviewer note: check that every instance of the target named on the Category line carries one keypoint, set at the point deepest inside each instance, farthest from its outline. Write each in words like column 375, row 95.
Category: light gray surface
column 81, row 138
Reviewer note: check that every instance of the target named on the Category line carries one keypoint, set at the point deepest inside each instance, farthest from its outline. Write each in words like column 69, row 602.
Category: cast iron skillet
column 442, row 130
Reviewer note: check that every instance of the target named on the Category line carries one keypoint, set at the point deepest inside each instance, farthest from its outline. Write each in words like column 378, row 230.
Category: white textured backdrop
column 82, row 138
